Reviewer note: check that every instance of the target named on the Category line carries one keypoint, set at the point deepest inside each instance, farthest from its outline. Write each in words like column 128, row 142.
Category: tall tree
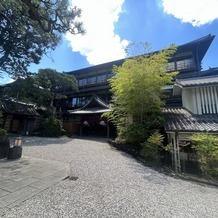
column 30, row 28
column 27, row 90
column 137, row 88
column 55, row 82
column 40, row 88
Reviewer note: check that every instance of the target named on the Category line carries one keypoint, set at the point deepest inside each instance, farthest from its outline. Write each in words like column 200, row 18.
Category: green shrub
column 151, row 147
column 206, row 146
column 133, row 133
column 51, row 127
column 3, row 132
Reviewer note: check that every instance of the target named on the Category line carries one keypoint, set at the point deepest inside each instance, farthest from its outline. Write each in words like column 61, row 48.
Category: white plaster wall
column 188, row 99
column 201, row 100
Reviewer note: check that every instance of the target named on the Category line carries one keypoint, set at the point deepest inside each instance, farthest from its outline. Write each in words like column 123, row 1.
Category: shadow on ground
column 44, row 141
column 40, row 141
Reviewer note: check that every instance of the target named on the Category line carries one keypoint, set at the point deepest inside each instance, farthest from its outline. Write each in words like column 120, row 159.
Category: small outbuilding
column 19, row 117
column 87, row 120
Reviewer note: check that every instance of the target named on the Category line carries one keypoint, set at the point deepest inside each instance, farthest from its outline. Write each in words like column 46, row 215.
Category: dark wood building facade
column 92, row 81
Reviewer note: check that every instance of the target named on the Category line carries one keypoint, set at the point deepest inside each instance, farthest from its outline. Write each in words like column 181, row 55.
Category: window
column 102, row 78
column 81, row 101
column 170, row 66
column 185, row 64
column 91, row 80
column 74, row 102
column 82, row 82
column 110, row 75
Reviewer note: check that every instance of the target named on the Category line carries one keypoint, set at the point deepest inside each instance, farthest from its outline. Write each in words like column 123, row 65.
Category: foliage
column 55, row 82
column 151, row 147
column 140, row 48
column 31, row 28
column 1, row 117
column 138, row 90
column 133, row 133
column 51, row 127
column 206, row 146
column 26, row 90
column 3, row 132
column 40, row 88
column 169, row 148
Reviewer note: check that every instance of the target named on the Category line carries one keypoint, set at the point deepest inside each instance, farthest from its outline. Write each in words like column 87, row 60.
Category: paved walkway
column 22, row 178
column 106, row 183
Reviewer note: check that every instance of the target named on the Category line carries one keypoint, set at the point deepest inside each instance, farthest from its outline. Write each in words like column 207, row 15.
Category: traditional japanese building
column 197, row 113
column 19, row 117
column 92, row 81
column 91, row 122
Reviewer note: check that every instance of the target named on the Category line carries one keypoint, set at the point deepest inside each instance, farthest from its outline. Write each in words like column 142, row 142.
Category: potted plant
column 4, row 143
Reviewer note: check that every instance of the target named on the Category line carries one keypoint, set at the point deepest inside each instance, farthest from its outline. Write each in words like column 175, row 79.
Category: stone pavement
column 22, row 178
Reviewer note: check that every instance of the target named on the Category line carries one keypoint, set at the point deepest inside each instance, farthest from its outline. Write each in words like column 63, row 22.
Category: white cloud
column 10, row 80
column 196, row 12
column 4, row 79
column 100, row 44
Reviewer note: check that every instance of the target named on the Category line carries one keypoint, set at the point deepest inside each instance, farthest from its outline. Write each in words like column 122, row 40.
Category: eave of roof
column 94, row 106
column 108, row 65
column 90, row 111
column 198, row 81
column 95, row 101
column 181, row 120
column 200, row 45
column 15, row 107
column 204, row 73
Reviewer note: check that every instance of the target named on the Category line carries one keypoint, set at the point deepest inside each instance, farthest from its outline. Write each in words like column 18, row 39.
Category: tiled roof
column 14, row 107
column 90, row 111
column 96, row 101
column 198, row 81
column 94, row 106
column 180, row 119
column 204, row 73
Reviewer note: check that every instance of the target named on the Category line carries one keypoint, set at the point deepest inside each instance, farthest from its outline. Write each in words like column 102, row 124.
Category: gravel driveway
column 110, row 183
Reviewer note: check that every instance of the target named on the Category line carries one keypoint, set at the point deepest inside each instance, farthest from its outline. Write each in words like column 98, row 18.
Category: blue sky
column 112, row 24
